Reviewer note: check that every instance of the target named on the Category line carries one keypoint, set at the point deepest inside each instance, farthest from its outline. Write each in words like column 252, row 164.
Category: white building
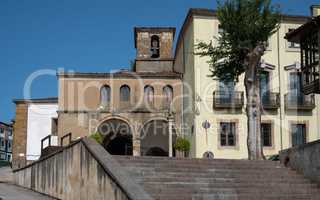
column 39, row 118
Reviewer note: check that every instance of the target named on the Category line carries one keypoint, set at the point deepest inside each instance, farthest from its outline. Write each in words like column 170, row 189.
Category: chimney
column 315, row 10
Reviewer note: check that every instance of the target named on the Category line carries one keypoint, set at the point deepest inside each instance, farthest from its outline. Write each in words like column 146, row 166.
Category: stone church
column 136, row 111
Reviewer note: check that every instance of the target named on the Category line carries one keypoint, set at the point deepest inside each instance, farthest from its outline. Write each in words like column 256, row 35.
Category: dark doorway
column 117, row 137
column 157, row 151
column 120, row 145
column 155, row 138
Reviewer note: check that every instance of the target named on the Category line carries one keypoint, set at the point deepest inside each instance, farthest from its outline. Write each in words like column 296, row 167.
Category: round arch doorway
column 155, row 138
column 117, row 137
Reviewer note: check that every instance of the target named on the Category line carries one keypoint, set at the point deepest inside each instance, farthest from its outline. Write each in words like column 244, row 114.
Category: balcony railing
column 227, row 99
column 270, row 100
column 299, row 102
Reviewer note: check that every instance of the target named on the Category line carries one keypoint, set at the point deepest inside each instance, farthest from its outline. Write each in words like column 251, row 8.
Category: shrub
column 97, row 137
column 182, row 144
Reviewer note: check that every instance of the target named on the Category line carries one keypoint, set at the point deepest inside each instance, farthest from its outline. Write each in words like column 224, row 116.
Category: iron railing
column 297, row 101
column 270, row 100
column 227, row 99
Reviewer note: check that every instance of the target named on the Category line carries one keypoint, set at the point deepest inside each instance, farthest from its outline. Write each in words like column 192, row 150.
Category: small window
column 266, row 134
column 2, row 145
column 155, row 46
column 9, row 145
column 105, row 95
column 228, row 133
column 168, row 94
column 1, row 130
column 125, row 93
column 293, row 44
column 2, row 156
column 54, row 126
column 148, row 94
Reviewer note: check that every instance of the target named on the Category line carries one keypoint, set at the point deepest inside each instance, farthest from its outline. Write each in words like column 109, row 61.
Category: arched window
column 155, row 46
column 167, row 94
column 125, row 93
column 148, row 94
column 105, row 95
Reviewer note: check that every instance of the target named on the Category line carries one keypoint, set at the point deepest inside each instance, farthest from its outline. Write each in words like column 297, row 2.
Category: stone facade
column 20, row 135
column 82, row 112
column 143, row 40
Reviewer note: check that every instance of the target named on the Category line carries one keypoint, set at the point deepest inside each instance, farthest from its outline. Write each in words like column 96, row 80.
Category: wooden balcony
column 311, row 87
column 299, row 102
column 270, row 101
column 227, row 100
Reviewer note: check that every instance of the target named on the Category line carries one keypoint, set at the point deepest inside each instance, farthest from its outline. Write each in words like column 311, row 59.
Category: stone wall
column 143, row 42
column 19, row 146
column 305, row 159
column 79, row 104
column 154, row 66
column 83, row 170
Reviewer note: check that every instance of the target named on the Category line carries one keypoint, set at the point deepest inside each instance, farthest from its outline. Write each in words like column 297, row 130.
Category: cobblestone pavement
column 8, row 191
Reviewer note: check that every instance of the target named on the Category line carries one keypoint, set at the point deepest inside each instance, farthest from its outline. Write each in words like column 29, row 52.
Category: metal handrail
column 44, row 139
column 69, row 136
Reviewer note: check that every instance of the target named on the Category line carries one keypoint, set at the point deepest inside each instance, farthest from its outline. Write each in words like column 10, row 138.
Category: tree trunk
column 253, row 107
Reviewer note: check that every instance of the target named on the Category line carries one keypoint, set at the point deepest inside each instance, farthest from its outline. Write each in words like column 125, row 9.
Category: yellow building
column 290, row 118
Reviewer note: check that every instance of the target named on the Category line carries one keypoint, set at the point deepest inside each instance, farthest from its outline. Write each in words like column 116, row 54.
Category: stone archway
column 117, row 137
column 155, row 138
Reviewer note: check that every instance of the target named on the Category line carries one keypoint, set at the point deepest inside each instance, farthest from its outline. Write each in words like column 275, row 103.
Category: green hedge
column 182, row 144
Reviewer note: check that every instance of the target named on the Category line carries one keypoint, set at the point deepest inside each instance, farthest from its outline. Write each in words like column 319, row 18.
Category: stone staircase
column 198, row 179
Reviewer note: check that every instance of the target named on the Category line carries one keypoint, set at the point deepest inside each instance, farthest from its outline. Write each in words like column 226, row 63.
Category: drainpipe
column 280, row 91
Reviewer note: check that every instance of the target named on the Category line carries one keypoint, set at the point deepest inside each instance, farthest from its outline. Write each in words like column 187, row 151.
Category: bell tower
column 154, row 49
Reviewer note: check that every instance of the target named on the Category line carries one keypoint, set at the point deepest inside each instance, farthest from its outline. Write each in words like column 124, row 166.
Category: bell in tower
column 154, row 46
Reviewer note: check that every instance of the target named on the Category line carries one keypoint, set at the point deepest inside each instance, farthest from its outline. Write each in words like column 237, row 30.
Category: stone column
column 136, row 146
column 136, row 142
column 170, row 123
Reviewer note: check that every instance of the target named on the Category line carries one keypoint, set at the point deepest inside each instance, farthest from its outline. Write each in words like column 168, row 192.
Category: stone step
column 198, row 179
column 234, row 197
column 235, row 186
column 188, row 191
column 208, row 170
column 193, row 161
column 199, row 166
column 214, row 174
column 220, row 181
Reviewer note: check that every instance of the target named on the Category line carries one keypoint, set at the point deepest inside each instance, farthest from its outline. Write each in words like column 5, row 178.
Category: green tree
column 247, row 26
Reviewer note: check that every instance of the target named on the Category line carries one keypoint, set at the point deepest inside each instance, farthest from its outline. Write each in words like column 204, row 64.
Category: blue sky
column 81, row 35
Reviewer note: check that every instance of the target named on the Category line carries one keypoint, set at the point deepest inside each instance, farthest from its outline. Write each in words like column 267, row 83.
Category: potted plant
column 182, row 146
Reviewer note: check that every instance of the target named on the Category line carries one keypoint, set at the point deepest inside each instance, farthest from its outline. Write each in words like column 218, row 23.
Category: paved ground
column 6, row 175
column 12, row 192
column 8, row 191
